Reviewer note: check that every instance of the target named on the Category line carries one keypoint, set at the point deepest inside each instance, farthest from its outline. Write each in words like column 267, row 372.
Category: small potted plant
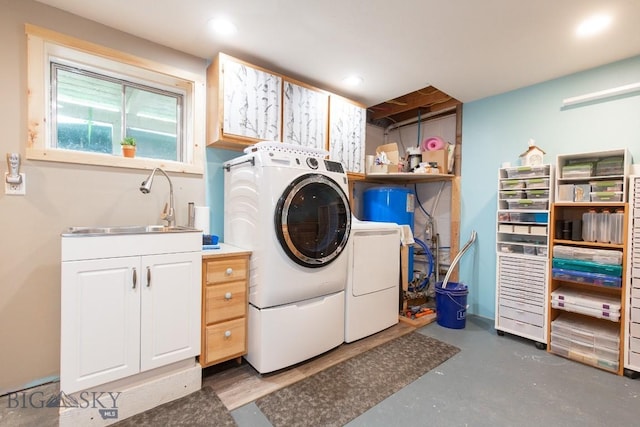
column 128, row 146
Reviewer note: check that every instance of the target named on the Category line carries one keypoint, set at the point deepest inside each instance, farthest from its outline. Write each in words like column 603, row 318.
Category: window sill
column 109, row 160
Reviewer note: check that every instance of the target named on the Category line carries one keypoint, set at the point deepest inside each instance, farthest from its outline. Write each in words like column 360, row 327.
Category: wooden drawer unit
column 224, row 341
column 224, row 307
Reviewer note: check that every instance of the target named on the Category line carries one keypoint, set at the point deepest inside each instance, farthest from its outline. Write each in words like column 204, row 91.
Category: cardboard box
column 392, row 153
column 438, row 156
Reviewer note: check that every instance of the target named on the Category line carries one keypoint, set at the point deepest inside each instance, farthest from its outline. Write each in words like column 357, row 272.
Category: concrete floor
column 498, row 381
column 493, row 381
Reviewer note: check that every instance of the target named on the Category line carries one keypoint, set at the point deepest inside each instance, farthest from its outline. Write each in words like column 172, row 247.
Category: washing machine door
column 313, row 220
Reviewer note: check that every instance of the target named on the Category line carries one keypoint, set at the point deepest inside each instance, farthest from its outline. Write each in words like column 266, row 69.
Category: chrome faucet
column 168, row 213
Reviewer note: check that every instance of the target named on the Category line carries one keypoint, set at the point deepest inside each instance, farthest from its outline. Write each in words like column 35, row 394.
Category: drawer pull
column 229, row 271
column 227, row 334
column 227, row 296
column 135, row 278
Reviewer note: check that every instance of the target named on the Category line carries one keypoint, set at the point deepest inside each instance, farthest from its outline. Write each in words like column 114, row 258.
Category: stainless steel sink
column 127, row 229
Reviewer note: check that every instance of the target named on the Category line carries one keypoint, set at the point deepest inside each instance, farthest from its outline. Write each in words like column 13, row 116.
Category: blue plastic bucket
column 451, row 305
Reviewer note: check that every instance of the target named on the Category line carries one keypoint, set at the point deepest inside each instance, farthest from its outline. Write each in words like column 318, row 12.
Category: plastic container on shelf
column 594, row 312
column 538, row 230
column 512, row 194
column 539, row 204
column 600, row 186
column 617, row 227
column 580, row 170
column 587, row 348
column 588, row 266
column 603, row 226
column 504, row 216
column 537, row 194
column 509, row 248
column 604, row 256
column 537, row 183
column 542, row 251
column 529, row 250
column 512, row 184
column 527, row 171
column 589, row 226
column 610, row 166
column 585, row 277
column 583, row 329
column 607, row 196
column 587, row 298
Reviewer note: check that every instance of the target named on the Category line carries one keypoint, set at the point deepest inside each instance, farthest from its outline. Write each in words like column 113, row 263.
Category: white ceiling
column 469, row 49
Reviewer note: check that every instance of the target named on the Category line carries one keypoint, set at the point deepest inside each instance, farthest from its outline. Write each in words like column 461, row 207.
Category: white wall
column 60, row 195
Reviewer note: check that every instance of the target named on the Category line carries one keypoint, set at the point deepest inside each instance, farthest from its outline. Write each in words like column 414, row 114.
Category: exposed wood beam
column 420, row 99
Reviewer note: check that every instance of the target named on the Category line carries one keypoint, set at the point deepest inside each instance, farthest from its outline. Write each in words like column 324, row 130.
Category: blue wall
column 214, row 174
column 496, row 130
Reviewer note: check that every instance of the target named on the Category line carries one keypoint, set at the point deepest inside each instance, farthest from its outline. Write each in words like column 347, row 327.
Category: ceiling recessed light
column 353, row 80
column 593, row 25
column 222, row 26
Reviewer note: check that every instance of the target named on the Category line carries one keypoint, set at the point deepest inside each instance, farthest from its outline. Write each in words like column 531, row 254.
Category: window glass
column 94, row 112
column 84, row 99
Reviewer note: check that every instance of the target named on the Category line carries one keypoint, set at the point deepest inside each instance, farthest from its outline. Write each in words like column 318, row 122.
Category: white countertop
column 225, row 249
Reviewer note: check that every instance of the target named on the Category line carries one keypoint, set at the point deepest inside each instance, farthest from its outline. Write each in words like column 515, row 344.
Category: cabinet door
column 347, row 123
column 252, row 100
column 305, row 116
column 100, row 329
column 170, row 308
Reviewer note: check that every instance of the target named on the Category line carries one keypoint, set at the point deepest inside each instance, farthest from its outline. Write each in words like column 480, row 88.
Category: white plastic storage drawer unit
column 632, row 343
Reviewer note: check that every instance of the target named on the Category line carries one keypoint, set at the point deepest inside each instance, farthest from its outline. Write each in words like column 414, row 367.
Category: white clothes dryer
column 289, row 206
column 373, row 285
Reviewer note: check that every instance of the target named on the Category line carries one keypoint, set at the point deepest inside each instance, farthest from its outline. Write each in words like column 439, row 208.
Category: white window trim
column 43, row 43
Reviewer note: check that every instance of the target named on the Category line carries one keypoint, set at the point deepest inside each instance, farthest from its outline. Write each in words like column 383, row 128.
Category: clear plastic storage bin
column 610, row 166
column 585, row 277
column 527, row 171
column 539, row 204
column 600, row 186
column 537, row 194
column 537, row 183
column 582, row 170
column 605, row 256
column 512, row 184
column 512, row 195
column 607, row 196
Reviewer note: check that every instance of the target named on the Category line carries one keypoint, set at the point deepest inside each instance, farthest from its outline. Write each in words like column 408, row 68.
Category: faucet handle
column 165, row 212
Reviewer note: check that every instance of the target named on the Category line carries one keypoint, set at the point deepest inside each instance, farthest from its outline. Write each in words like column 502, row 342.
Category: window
column 85, row 99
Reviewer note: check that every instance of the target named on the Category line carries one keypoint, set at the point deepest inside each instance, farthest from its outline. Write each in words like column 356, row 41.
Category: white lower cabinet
column 125, row 315
column 521, row 290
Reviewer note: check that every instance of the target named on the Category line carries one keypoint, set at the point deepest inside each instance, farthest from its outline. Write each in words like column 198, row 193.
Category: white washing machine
column 373, row 284
column 289, row 206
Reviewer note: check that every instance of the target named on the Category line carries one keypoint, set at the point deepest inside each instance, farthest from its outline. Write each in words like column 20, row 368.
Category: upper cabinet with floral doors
column 347, row 129
column 244, row 104
column 305, row 112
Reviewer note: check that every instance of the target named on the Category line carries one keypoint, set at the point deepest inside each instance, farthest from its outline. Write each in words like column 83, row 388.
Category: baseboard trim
column 134, row 398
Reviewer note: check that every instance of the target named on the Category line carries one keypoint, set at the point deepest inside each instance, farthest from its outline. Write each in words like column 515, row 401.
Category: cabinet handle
column 227, row 334
column 148, row 276
column 134, row 278
column 227, row 296
column 229, row 271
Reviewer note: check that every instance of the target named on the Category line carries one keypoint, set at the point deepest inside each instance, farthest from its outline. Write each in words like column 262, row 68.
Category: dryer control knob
column 227, row 334
column 312, row 162
column 229, row 271
column 227, row 295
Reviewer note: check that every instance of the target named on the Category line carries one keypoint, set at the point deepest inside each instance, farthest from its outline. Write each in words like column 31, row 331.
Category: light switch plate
column 15, row 189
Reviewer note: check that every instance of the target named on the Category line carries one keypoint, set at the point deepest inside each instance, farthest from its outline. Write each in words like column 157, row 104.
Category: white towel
column 406, row 236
